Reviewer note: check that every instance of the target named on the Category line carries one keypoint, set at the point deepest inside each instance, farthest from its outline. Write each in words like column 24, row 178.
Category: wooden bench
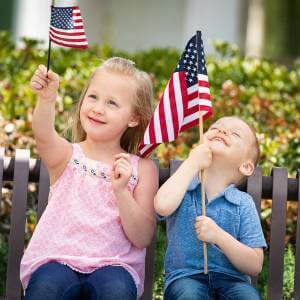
column 22, row 170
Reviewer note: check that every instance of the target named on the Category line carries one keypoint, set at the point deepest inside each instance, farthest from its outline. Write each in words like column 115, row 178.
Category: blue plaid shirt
column 232, row 210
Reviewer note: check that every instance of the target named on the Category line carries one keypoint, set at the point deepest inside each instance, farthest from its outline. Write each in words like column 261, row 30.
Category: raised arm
column 171, row 193
column 54, row 150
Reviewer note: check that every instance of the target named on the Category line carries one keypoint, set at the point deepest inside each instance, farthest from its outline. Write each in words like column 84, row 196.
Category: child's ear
column 247, row 168
column 134, row 122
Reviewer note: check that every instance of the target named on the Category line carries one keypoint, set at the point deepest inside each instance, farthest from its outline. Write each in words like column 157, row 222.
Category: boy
column 231, row 226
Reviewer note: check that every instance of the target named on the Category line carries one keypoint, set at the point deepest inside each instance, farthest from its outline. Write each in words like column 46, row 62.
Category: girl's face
column 107, row 108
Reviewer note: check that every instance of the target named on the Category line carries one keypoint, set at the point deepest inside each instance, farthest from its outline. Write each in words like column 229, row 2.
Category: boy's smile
column 220, row 139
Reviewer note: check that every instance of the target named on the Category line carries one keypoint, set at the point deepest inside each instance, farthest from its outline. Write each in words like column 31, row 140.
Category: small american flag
column 186, row 94
column 66, row 27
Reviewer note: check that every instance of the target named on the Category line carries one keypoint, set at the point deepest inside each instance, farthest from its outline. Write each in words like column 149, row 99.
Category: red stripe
column 162, row 116
column 76, row 14
column 193, row 95
column 204, row 96
column 173, row 107
column 66, row 33
column 196, row 121
column 67, row 39
column 203, row 83
column 70, row 46
column 151, row 131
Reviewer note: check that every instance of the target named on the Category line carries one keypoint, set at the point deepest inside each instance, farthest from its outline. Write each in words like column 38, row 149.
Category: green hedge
column 264, row 93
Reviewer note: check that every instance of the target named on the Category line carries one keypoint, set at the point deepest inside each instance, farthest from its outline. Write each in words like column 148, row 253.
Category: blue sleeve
column 251, row 233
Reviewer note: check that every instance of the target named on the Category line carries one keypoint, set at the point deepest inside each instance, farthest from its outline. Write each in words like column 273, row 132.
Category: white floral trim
column 97, row 171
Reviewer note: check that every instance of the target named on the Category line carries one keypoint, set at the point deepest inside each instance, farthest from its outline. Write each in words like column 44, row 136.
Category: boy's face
column 231, row 139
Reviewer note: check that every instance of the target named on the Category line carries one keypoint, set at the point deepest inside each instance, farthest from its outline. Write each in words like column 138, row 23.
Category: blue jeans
column 55, row 281
column 211, row 286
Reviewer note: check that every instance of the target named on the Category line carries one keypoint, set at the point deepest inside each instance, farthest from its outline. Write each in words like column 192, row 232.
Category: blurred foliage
column 265, row 94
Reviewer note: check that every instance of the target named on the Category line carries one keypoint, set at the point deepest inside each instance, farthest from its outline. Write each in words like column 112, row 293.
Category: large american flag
column 186, row 95
column 66, row 27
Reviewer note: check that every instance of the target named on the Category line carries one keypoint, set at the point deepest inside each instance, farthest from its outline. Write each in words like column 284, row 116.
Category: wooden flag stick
column 49, row 45
column 202, row 180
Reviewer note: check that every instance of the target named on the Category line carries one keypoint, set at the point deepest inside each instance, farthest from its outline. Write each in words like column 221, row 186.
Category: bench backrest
column 22, row 170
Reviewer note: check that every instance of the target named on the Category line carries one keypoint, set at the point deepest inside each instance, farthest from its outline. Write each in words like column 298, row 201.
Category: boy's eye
column 235, row 134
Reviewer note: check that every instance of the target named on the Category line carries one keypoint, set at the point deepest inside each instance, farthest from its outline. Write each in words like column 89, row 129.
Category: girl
column 90, row 242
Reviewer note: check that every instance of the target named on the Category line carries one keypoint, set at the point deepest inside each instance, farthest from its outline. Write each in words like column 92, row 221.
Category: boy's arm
column 246, row 259
column 171, row 193
column 54, row 150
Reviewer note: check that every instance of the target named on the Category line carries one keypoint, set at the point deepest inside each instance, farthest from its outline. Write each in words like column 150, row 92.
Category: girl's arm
column 137, row 211
column 54, row 150
column 246, row 259
column 171, row 193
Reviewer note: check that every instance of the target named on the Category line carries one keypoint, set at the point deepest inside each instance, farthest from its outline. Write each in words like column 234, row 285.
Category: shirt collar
column 230, row 193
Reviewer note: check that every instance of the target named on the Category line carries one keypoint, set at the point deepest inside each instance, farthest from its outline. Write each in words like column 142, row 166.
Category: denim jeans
column 55, row 281
column 211, row 286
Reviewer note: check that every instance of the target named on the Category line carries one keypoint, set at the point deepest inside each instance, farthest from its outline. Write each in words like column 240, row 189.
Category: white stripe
column 157, row 128
column 76, row 11
column 205, row 102
column 192, row 117
column 70, row 37
column 202, row 77
column 178, row 98
column 204, row 90
column 66, row 42
column 68, row 31
column 197, row 101
column 145, row 148
column 77, row 18
column 168, row 114
column 192, row 89
column 146, row 138
column 78, row 24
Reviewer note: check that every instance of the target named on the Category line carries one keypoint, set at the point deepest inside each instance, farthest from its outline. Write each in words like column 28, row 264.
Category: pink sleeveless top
column 81, row 226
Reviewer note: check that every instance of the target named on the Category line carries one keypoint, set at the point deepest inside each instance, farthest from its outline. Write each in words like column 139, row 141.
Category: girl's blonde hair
column 142, row 105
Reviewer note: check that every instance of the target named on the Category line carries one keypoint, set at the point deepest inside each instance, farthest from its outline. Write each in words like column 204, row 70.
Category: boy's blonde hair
column 142, row 104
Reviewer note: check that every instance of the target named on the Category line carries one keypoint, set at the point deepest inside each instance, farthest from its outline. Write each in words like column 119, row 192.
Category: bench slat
column 1, row 170
column 17, row 229
column 149, row 264
column 297, row 255
column 254, row 188
column 277, row 238
column 43, row 190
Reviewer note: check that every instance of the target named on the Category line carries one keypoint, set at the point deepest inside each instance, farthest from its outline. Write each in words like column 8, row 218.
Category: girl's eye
column 213, row 128
column 93, row 96
column 112, row 102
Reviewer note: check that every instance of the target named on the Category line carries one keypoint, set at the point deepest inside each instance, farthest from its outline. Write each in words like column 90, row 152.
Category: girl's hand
column 44, row 84
column 207, row 230
column 121, row 172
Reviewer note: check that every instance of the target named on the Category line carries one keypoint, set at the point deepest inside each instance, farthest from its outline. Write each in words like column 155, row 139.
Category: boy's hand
column 45, row 85
column 200, row 156
column 121, row 172
column 207, row 230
